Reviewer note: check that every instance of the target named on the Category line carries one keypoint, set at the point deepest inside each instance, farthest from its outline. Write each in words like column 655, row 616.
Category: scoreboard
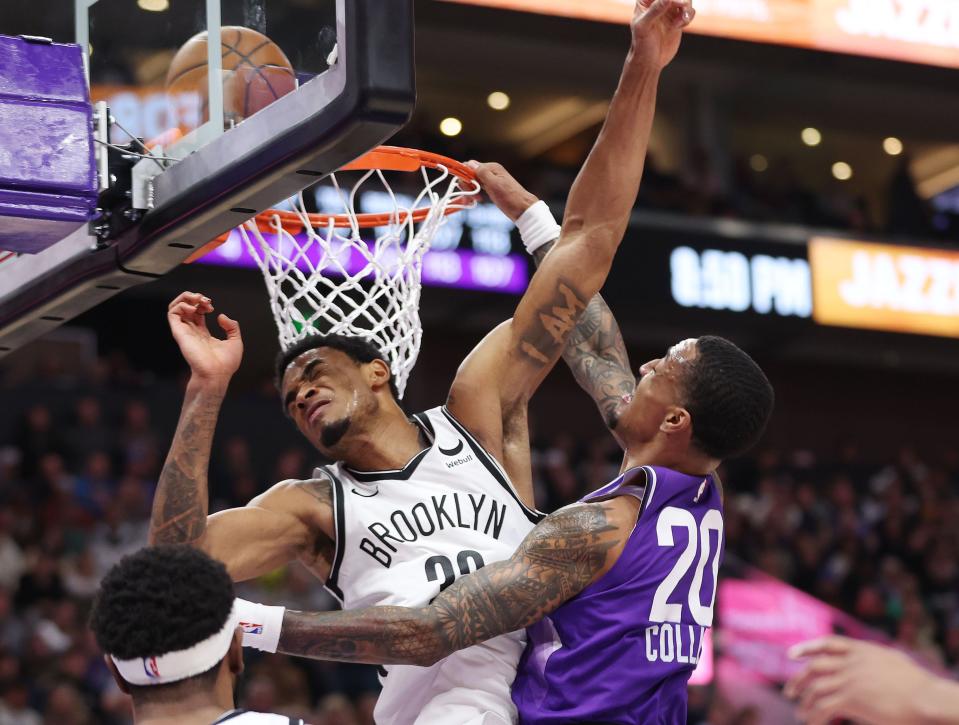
column 777, row 278
column 915, row 31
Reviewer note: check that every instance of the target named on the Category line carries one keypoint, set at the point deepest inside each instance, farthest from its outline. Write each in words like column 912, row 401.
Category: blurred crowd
column 779, row 196
column 755, row 189
column 79, row 459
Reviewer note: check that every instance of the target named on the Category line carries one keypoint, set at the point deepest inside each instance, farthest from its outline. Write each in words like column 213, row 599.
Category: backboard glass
column 349, row 86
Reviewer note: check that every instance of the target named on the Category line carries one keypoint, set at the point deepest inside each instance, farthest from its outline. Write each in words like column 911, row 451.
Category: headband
column 181, row 664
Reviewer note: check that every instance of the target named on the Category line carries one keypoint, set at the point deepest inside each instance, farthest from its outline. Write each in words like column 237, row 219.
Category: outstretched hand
column 847, row 678
column 210, row 358
column 502, row 189
column 658, row 28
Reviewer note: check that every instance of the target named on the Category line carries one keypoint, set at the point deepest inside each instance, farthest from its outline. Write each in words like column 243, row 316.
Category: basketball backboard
column 349, row 87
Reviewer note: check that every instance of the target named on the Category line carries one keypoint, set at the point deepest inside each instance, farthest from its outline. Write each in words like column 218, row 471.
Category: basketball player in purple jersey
column 616, row 590
column 389, row 467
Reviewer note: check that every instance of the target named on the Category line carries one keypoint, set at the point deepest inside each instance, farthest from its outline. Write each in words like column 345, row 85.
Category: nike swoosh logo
column 452, row 451
column 365, row 495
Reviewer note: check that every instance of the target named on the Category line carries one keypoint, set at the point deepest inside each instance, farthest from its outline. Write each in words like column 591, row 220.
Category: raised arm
column 595, row 351
column 556, row 561
column 503, row 372
column 181, row 501
column 276, row 527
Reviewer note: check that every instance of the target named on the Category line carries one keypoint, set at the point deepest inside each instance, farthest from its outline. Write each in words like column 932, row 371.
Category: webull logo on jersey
column 454, row 453
column 459, row 461
column 425, row 518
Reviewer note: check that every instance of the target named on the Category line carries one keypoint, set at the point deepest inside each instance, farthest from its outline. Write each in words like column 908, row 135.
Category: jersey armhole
column 649, row 491
column 626, row 485
column 339, row 526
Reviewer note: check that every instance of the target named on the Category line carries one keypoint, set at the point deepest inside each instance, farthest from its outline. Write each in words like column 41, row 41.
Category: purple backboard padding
column 42, row 71
column 46, row 147
column 48, row 185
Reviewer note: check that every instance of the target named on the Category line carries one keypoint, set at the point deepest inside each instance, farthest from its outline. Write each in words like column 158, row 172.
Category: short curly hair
column 161, row 599
column 359, row 349
column 728, row 396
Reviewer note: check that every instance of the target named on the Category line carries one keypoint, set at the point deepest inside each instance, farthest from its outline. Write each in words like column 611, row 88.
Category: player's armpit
column 558, row 559
column 276, row 527
column 496, row 380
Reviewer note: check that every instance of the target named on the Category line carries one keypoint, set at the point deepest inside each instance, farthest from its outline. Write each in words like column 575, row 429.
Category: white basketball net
column 331, row 281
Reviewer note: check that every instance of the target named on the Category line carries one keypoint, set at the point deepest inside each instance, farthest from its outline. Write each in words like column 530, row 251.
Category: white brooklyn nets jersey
column 403, row 536
column 247, row 717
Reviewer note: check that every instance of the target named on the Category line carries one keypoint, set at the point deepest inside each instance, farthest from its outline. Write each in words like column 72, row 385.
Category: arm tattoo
column 181, row 500
column 555, row 562
column 321, row 489
column 597, row 355
column 557, row 320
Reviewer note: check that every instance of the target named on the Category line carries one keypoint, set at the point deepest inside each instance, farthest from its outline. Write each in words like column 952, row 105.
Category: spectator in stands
column 88, row 433
column 876, row 539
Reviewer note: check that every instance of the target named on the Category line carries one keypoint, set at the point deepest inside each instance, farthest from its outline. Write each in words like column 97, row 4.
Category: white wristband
column 538, row 227
column 261, row 624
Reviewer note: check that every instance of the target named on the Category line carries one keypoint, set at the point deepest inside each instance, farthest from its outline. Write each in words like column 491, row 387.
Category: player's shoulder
column 296, row 492
column 604, row 517
column 669, row 488
column 428, row 417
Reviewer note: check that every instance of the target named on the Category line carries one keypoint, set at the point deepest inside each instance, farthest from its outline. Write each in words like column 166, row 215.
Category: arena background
column 852, row 496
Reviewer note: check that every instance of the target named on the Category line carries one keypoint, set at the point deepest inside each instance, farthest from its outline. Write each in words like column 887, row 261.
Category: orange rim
column 384, row 158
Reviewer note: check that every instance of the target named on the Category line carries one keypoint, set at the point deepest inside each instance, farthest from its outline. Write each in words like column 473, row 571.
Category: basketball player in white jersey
column 166, row 618
column 413, row 503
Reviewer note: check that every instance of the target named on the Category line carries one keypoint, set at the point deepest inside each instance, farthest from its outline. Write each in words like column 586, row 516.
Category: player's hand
column 658, row 28
column 210, row 358
column 862, row 681
column 502, row 189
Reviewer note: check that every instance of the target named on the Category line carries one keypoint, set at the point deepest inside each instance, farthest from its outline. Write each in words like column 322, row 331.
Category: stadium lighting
column 451, row 126
column 811, row 136
column 842, row 171
column 154, row 6
column 892, row 146
column 758, row 163
column 498, row 101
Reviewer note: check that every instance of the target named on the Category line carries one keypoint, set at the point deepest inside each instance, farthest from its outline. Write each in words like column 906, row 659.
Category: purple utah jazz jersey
column 622, row 650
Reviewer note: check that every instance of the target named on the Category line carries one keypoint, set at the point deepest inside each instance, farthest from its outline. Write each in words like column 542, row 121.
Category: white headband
column 184, row 663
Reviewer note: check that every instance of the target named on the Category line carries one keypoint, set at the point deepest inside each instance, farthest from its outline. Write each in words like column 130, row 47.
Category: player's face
column 322, row 392
column 658, row 392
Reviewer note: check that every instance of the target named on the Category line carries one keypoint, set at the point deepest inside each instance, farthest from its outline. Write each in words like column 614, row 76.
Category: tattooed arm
column 558, row 559
column 596, row 355
column 181, row 500
column 499, row 377
column 595, row 351
column 282, row 524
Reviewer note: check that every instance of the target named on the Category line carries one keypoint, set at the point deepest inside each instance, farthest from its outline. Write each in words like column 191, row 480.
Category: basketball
column 256, row 72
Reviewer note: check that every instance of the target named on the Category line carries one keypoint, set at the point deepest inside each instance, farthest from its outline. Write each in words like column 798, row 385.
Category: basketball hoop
column 325, row 276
